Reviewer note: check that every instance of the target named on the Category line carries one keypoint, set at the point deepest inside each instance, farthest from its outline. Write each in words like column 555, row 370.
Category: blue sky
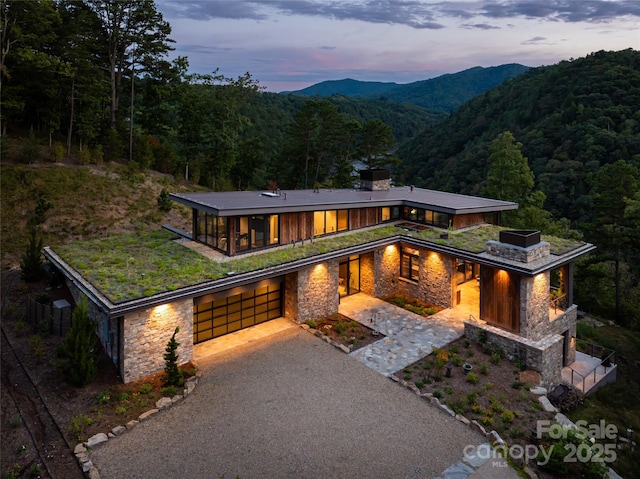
column 290, row 44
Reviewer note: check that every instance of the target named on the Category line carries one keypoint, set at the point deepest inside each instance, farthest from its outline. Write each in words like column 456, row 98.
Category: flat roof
column 236, row 203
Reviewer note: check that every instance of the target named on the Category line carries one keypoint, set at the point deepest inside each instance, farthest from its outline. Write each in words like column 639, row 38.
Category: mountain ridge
column 444, row 93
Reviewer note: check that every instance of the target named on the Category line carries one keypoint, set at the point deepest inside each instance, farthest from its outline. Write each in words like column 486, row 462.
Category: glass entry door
column 349, row 276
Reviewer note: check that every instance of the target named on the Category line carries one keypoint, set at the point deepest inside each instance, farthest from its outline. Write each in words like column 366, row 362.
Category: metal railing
column 605, row 355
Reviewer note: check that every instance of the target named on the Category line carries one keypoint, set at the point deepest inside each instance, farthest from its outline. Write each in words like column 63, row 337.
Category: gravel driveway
column 289, row 406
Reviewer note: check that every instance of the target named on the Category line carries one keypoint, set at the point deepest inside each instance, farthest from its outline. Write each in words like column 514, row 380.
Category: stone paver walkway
column 409, row 336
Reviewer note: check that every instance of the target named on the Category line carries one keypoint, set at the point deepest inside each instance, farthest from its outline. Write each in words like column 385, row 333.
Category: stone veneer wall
column 544, row 356
column 317, row 291
column 534, row 306
column 367, row 274
column 518, row 253
column 376, row 185
column 146, row 334
column 436, row 278
column 387, row 270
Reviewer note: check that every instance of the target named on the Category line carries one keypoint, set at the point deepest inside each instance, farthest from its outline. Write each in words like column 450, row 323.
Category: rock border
column 318, row 333
column 82, row 451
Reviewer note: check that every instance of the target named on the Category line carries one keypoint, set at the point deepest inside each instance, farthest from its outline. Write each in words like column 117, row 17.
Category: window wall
column 388, row 213
column 427, row 217
column 330, row 221
column 409, row 263
column 211, row 230
column 256, row 231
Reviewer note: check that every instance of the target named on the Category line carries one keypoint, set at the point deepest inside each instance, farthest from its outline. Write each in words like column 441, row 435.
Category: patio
column 409, row 336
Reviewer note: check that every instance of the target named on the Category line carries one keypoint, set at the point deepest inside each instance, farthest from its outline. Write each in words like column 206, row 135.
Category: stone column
column 146, row 334
column 534, row 306
column 317, row 291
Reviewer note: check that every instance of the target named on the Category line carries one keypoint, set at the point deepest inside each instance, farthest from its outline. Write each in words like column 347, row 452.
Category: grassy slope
column 88, row 202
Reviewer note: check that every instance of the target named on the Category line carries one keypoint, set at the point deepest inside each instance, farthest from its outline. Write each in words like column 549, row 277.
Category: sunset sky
column 291, row 44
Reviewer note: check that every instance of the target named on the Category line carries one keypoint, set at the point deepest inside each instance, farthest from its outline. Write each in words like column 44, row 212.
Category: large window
column 211, row 230
column 388, row 213
column 409, row 264
column 428, row 217
column 330, row 221
column 256, row 231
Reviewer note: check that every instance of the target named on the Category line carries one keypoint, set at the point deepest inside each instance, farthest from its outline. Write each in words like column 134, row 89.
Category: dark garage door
column 215, row 316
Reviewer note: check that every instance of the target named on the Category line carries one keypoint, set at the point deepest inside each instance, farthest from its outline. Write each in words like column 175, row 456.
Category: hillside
column 572, row 118
column 443, row 93
column 86, row 202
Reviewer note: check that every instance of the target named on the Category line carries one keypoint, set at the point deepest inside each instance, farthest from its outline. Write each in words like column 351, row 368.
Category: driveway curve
column 289, row 406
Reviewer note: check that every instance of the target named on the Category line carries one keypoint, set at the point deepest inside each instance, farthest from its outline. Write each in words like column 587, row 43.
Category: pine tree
column 31, row 264
column 164, row 202
column 80, row 347
column 172, row 373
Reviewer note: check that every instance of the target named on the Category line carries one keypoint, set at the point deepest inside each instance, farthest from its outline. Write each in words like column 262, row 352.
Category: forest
column 89, row 81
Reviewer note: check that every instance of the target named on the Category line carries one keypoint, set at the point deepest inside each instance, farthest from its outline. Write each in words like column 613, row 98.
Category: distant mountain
column 443, row 93
column 346, row 87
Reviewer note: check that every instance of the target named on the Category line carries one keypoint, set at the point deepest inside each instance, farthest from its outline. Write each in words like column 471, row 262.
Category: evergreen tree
column 80, row 347
column 164, row 202
column 615, row 229
column 31, row 264
column 172, row 373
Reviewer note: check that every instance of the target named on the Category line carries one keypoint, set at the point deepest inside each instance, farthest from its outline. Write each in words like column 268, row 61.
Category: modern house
column 255, row 256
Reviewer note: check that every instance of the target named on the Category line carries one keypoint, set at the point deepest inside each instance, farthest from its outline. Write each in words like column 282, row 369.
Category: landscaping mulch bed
column 78, row 412
column 346, row 331
column 494, row 393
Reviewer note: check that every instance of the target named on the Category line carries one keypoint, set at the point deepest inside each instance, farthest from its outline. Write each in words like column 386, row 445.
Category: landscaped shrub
column 80, row 347
column 164, row 202
column 472, row 398
column 172, row 375
column 507, row 417
column 146, row 388
column 414, row 309
column 484, row 368
column 472, row 378
column 31, row 264
column 429, row 311
column 437, row 393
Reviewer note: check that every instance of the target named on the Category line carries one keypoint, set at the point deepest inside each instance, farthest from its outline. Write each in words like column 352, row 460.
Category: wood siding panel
column 462, row 221
column 362, row 217
column 295, row 226
column 500, row 298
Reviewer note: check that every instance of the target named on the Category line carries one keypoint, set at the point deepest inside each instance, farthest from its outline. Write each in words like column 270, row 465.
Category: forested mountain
column 346, row 87
column 577, row 124
column 571, row 118
column 443, row 93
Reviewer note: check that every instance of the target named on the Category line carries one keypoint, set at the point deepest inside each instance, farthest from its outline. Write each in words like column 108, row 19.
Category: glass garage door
column 225, row 315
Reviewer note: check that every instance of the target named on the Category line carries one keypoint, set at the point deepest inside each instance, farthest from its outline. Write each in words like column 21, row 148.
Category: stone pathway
column 409, row 336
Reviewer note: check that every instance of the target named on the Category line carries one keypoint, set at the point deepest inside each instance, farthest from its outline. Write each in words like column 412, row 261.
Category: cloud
column 563, row 10
column 481, row 26
column 418, row 14
column 207, row 10
column 536, row 41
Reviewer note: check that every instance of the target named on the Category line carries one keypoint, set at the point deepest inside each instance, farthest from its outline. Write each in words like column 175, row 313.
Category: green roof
column 132, row 266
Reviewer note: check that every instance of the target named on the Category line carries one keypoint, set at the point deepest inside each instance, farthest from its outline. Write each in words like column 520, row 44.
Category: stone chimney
column 377, row 179
column 524, row 246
